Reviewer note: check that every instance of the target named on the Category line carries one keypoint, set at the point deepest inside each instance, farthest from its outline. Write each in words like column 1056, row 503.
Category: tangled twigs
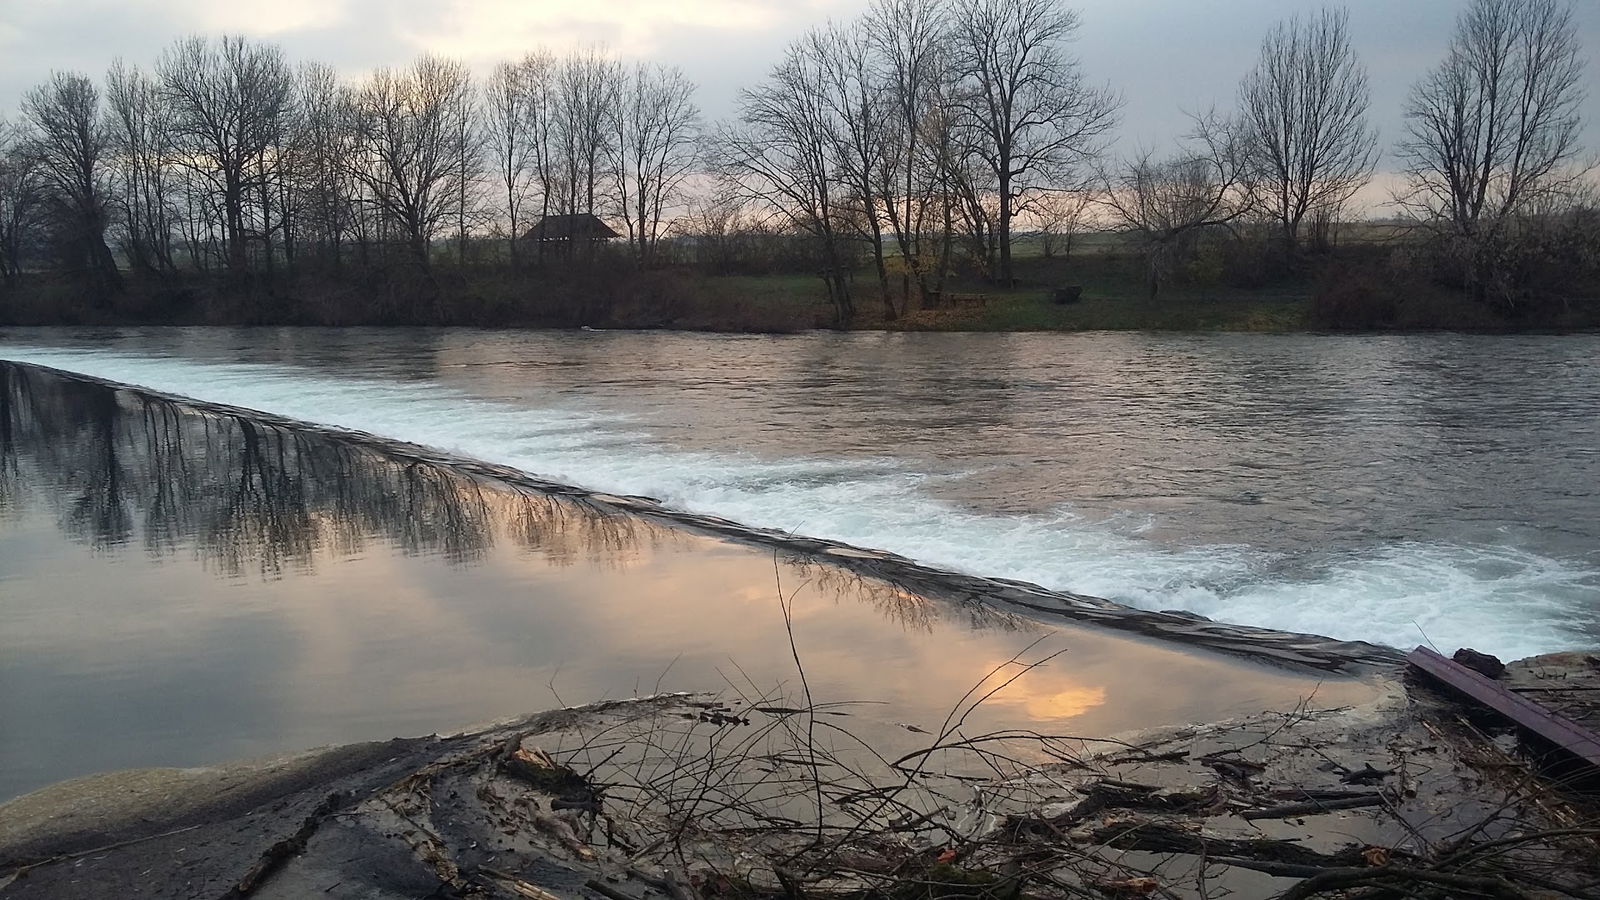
column 786, row 808
column 1401, row 878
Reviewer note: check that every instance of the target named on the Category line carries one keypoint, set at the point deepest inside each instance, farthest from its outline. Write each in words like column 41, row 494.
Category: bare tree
column 910, row 39
column 408, row 150
column 323, row 144
column 1164, row 204
column 586, row 88
column 21, row 201
column 1495, row 125
column 780, row 157
column 1038, row 115
column 855, row 110
column 960, row 182
column 141, row 140
column 468, row 142
column 508, row 122
column 1304, row 111
column 1061, row 216
column 540, row 76
column 231, row 105
column 657, row 125
column 69, row 144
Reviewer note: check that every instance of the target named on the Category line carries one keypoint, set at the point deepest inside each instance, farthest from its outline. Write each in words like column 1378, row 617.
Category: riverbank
column 692, row 797
column 1351, row 291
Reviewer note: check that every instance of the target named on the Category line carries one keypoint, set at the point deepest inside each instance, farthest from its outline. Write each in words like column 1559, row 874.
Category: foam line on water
column 1497, row 599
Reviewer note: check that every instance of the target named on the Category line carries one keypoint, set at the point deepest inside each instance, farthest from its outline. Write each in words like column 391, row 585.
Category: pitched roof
column 582, row 226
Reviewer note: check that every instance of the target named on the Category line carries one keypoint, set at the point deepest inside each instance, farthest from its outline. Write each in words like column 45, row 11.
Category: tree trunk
column 1003, row 232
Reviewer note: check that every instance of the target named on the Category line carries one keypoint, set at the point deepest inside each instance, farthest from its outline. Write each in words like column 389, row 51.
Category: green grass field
column 1114, row 299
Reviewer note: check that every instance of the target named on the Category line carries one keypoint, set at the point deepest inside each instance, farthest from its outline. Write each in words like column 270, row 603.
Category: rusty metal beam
column 1557, row 729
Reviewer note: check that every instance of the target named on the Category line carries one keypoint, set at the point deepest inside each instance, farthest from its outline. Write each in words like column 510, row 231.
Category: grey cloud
column 1164, row 57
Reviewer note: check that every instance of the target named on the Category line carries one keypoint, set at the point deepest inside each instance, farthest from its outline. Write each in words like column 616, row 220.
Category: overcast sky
column 1163, row 56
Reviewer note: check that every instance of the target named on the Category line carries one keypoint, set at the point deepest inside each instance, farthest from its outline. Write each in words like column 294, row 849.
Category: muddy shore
column 687, row 796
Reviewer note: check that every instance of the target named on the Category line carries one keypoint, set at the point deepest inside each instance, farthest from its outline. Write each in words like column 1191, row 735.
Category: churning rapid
column 1401, row 490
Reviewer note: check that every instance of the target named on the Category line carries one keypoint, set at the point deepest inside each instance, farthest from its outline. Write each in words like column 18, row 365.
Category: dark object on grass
column 1071, row 293
column 1482, row 663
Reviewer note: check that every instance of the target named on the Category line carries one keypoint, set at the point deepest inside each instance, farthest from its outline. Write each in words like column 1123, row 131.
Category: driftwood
column 279, row 853
column 1312, row 807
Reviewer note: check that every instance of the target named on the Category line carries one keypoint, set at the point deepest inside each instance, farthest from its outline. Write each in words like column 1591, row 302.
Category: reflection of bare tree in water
column 563, row 530
column 12, row 489
column 168, row 505
column 912, row 609
column 77, row 444
column 444, row 512
column 249, row 496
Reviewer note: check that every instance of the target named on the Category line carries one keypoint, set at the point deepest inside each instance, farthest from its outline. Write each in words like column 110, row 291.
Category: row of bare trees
column 225, row 158
column 1294, row 153
column 1491, row 144
column 584, row 134
column 917, row 135
column 918, row 125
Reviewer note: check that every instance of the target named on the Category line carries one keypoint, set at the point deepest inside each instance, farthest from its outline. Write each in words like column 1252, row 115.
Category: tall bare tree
column 780, row 157
column 910, row 41
column 408, row 149
column 231, row 101
column 1030, row 100
column 141, row 140
column 69, row 143
column 587, row 85
column 657, row 126
column 856, row 109
column 509, row 121
column 1495, row 126
column 1304, row 110
column 21, row 201
column 323, row 144
column 467, row 141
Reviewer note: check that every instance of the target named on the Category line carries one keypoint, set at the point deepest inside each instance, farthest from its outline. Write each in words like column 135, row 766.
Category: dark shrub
column 1353, row 300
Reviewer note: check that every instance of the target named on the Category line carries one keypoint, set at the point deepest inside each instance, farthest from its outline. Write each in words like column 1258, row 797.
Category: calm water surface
column 1369, row 487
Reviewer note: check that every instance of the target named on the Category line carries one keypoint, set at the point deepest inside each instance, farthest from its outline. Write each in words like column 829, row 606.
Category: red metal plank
column 1557, row 729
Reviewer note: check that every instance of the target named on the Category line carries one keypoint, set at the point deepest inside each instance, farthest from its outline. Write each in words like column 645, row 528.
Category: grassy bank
column 1348, row 291
column 1352, row 289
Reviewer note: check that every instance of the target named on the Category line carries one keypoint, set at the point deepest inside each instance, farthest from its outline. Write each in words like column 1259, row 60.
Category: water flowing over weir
column 1380, row 491
column 185, row 583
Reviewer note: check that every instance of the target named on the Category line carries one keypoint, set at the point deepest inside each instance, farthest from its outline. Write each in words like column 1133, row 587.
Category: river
column 1397, row 489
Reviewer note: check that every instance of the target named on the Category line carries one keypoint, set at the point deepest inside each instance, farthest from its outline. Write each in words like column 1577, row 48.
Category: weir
column 231, row 565
column 1279, row 482
column 1263, row 644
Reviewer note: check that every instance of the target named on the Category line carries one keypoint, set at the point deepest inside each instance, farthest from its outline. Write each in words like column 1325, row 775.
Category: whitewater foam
column 1497, row 599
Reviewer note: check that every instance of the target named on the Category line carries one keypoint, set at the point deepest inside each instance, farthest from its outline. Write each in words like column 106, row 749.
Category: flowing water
column 1390, row 488
column 180, row 588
